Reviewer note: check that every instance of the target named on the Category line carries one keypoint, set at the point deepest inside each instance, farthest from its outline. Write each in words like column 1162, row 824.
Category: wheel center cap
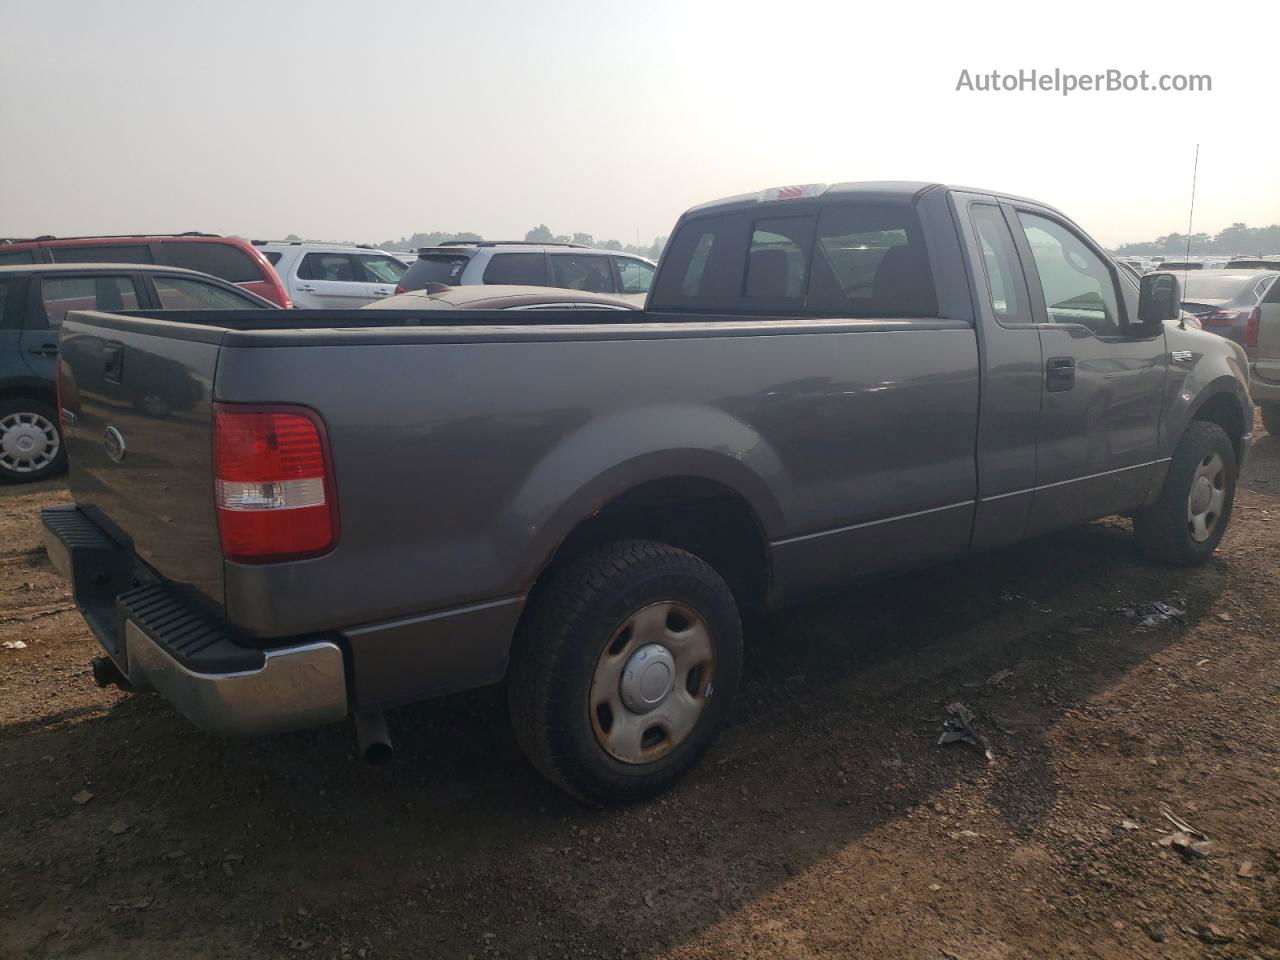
column 23, row 440
column 647, row 678
column 1201, row 494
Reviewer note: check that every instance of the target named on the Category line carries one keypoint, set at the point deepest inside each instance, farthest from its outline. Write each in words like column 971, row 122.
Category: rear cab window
column 859, row 259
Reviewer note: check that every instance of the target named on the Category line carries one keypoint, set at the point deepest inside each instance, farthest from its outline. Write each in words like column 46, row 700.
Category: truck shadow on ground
column 833, row 738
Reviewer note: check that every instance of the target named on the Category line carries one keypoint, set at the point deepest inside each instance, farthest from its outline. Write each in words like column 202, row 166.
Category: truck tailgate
column 140, row 401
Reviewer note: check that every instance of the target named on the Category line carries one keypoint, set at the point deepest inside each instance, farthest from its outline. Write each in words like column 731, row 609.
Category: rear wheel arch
column 702, row 516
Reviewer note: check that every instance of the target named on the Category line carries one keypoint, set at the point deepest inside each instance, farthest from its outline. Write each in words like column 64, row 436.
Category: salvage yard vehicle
column 332, row 275
column 34, row 300
column 570, row 266
column 227, row 258
column 827, row 383
column 1262, row 342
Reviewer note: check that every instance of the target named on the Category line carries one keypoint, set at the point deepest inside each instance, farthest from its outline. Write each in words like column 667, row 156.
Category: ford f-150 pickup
column 325, row 516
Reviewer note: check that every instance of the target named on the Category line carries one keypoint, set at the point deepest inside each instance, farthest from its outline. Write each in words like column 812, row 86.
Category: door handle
column 113, row 362
column 382, row 293
column 45, row 350
column 306, row 288
column 1060, row 374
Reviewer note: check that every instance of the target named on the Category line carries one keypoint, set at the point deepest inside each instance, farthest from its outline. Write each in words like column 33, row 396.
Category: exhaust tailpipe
column 107, row 674
column 374, row 740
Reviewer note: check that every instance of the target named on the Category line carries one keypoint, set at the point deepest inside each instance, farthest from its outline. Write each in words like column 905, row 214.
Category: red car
column 228, row 258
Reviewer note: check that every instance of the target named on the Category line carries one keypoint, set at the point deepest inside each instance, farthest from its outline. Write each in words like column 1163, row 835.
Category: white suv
column 567, row 265
column 332, row 275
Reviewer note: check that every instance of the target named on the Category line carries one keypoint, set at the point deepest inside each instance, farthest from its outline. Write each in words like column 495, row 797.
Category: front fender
column 612, row 454
column 1217, row 367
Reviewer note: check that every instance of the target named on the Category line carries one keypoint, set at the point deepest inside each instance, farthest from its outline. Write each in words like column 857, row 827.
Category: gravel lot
column 826, row 822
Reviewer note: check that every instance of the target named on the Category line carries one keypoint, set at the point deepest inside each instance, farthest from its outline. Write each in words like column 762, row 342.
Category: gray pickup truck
column 284, row 520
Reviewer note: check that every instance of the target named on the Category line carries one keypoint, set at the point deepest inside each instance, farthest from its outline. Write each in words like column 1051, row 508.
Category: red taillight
column 273, row 483
column 1219, row 318
column 57, row 392
column 1251, row 327
column 400, row 290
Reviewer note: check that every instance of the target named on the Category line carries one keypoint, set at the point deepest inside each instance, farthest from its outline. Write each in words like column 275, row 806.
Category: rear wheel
column 1271, row 418
column 625, row 670
column 30, row 442
column 1186, row 524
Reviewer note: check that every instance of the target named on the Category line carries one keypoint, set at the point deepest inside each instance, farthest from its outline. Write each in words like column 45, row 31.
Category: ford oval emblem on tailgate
column 114, row 442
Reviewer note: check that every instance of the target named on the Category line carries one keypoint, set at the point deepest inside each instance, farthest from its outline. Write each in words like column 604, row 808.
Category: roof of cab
column 861, row 189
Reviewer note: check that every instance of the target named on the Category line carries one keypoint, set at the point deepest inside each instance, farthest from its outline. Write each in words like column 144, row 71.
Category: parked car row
column 1153, row 264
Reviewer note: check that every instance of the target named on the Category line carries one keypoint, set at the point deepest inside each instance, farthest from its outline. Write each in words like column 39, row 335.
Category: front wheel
column 625, row 670
column 1186, row 524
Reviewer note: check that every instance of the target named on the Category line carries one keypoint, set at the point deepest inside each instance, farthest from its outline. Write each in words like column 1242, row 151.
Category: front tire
column 1186, row 524
column 1271, row 418
column 625, row 670
column 31, row 447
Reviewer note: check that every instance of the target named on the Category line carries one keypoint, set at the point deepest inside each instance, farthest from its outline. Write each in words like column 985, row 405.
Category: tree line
column 539, row 234
column 1235, row 239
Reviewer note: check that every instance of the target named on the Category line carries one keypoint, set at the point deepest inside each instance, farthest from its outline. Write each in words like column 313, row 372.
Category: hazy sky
column 368, row 121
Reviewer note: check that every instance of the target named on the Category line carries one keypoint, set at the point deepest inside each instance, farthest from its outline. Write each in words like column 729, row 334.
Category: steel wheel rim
column 1207, row 497
column 639, row 736
column 29, row 442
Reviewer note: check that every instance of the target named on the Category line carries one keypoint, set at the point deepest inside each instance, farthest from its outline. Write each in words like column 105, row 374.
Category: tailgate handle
column 113, row 362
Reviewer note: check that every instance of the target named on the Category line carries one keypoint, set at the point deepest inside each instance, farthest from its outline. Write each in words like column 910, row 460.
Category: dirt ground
column 825, row 822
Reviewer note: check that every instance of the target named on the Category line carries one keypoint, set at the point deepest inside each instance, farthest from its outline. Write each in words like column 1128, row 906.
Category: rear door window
column 62, row 294
column 225, row 261
column 380, row 269
column 870, row 261
column 103, row 253
column 273, row 256
column 328, row 266
column 1005, row 286
column 188, row 293
column 519, row 269
column 577, row 271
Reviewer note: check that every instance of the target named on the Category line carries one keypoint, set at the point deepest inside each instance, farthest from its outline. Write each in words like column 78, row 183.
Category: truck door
column 1101, row 388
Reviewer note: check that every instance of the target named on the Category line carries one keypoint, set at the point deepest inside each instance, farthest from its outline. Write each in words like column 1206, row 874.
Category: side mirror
column 1159, row 299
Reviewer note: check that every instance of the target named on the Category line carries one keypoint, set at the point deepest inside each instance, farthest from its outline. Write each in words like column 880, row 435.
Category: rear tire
column 1186, row 524
column 1271, row 418
column 602, row 641
column 31, row 447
